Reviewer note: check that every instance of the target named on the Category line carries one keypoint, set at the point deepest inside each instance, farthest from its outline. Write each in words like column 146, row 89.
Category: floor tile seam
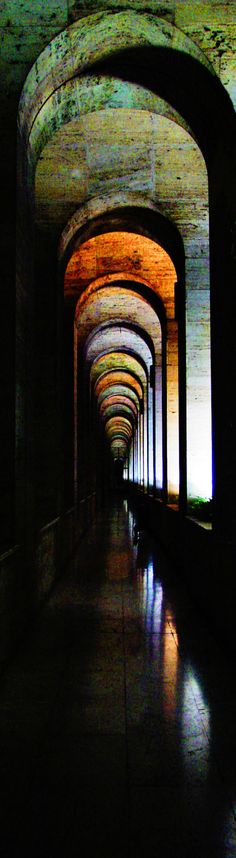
column 126, row 712
column 205, row 730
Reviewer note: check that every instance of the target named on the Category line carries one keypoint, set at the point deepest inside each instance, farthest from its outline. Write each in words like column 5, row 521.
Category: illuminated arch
column 192, row 61
column 124, row 338
column 130, row 363
column 123, row 305
column 177, row 46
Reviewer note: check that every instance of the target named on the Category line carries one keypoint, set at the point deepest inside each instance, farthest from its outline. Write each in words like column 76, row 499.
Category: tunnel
column 117, row 570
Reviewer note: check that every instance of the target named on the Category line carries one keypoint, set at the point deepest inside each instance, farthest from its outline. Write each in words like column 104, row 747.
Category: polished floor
column 118, row 715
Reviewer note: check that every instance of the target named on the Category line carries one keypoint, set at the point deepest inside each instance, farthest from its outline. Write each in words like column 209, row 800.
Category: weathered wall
column 26, row 29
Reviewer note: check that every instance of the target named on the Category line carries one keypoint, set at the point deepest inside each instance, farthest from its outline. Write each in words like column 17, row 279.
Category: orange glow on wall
column 122, row 424
column 119, row 401
column 122, row 254
column 120, row 377
column 102, row 297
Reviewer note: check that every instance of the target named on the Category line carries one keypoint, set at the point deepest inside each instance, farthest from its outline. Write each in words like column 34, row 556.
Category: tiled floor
column 118, row 717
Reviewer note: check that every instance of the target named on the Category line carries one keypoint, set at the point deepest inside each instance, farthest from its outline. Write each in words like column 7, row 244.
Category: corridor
column 118, row 714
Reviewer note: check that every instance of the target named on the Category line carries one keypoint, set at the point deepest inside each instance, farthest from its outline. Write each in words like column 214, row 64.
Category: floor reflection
column 118, row 716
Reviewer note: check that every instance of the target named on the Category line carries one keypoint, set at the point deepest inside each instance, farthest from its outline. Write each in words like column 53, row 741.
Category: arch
column 188, row 65
column 119, row 377
column 118, row 400
column 127, row 381
column 144, row 422
column 126, row 211
column 117, row 305
column 196, row 401
column 122, row 338
column 117, row 360
column 116, row 389
column 132, row 257
column 89, row 94
column 96, row 39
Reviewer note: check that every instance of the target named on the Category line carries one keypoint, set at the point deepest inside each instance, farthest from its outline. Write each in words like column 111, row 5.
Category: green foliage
column 200, row 508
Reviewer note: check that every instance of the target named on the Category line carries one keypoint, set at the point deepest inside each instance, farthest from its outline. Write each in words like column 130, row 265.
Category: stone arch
column 167, row 50
column 93, row 41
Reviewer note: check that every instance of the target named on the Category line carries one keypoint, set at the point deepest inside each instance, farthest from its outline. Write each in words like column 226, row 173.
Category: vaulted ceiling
column 98, row 142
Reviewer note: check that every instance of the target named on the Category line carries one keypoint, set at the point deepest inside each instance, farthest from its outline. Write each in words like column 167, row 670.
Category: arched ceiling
column 99, row 139
column 117, row 361
column 115, row 405
column 88, row 42
column 96, row 138
column 117, row 410
column 118, row 307
column 118, row 430
column 116, row 304
column 116, row 377
column 122, row 254
column 90, row 94
column 119, row 337
column 122, row 389
column 118, row 400
column 136, row 214
column 109, row 152
column 27, row 29
column 103, row 41
column 121, row 378
column 118, row 426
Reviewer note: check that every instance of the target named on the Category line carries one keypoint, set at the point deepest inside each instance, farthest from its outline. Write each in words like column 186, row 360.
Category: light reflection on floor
column 118, row 718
